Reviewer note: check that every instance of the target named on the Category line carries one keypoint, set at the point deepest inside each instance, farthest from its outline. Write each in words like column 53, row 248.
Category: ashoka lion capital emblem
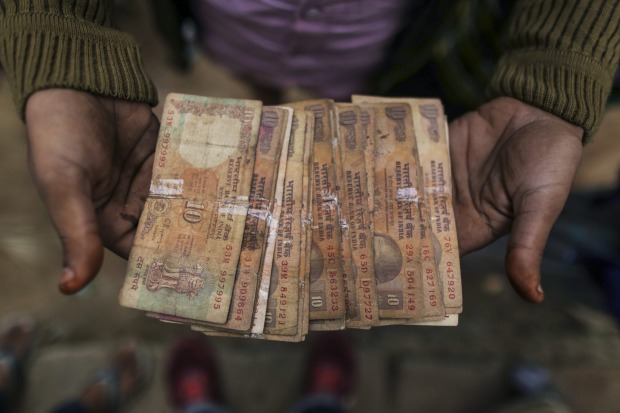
column 183, row 280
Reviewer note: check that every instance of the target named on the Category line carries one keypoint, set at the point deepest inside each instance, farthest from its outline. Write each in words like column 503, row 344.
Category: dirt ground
column 402, row 369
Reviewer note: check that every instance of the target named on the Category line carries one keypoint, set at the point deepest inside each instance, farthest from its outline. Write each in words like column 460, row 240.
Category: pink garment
column 329, row 47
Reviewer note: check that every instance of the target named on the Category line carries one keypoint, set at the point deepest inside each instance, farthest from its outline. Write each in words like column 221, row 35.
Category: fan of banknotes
column 272, row 221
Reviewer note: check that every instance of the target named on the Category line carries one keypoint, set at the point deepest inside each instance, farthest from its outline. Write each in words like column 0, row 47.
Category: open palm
column 513, row 167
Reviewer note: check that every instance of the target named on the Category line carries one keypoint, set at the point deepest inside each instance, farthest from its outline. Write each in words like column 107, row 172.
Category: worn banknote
column 326, row 283
column 284, row 298
column 396, row 214
column 274, row 126
column 187, row 244
column 360, row 287
column 434, row 152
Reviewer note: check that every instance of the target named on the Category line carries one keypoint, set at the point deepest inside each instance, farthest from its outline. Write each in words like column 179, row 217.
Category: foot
column 530, row 380
column 531, row 390
column 119, row 383
column 15, row 343
column 331, row 367
column 191, row 373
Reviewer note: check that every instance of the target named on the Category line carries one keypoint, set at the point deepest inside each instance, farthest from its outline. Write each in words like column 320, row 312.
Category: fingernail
column 67, row 276
column 540, row 289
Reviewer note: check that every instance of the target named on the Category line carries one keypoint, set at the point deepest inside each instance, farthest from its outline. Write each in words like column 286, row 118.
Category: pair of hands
column 91, row 159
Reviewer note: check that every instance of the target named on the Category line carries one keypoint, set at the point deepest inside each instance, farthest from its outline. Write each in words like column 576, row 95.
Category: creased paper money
column 186, row 250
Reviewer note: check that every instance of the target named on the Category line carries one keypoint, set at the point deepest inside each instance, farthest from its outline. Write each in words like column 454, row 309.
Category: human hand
column 513, row 166
column 91, row 159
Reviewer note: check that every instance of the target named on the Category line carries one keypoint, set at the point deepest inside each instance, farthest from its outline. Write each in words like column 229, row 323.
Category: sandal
column 121, row 382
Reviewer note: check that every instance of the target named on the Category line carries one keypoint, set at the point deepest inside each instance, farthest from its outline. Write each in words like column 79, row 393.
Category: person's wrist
column 525, row 114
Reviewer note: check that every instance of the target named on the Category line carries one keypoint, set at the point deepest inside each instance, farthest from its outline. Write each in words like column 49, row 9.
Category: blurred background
column 574, row 333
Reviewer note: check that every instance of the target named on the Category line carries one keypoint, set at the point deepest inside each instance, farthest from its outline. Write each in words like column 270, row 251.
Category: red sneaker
column 331, row 367
column 191, row 373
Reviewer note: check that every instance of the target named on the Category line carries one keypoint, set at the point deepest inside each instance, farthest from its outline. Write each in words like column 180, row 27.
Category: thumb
column 69, row 203
column 535, row 215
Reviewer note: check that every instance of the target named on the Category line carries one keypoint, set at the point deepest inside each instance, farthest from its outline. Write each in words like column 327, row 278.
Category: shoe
column 331, row 367
column 191, row 373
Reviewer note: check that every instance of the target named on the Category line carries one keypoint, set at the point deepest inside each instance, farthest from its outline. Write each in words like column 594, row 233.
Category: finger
column 523, row 267
column 534, row 217
column 119, row 219
column 73, row 215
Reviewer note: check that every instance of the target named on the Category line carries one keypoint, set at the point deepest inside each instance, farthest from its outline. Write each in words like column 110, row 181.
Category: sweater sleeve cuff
column 567, row 84
column 45, row 51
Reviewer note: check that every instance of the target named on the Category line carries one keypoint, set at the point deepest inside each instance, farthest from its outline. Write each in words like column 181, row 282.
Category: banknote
column 368, row 287
column 187, row 245
column 307, row 207
column 273, row 128
column 396, row 238
column 434, row 151
column 283, row 303
column 326, row 289
column 345, row 119
column 430, row 122
column 260, row 309
column 356, row 229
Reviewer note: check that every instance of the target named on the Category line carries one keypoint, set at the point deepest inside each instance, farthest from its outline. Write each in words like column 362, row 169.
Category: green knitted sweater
column 69, row 44
column 562, row 54
column 562, row 57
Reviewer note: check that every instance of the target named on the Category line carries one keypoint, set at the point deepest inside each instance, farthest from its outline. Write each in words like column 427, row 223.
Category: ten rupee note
column 188, row 240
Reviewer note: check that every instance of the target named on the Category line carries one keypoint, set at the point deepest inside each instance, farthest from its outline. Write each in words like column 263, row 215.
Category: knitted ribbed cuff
column 568, row 84
column 39, row 51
